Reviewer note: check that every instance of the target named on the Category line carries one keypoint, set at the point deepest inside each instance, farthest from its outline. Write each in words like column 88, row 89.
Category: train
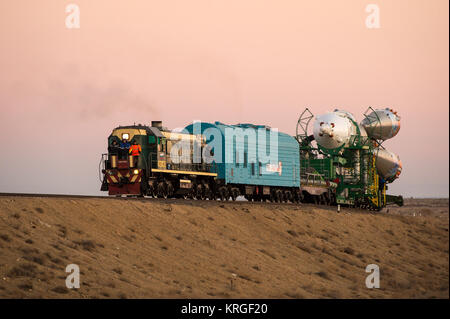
column 342, row 162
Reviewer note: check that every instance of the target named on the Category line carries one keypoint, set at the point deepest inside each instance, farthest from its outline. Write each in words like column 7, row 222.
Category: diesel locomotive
column 342, row 162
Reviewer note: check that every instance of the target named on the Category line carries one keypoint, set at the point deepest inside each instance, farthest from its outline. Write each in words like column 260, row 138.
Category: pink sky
column 63, row 90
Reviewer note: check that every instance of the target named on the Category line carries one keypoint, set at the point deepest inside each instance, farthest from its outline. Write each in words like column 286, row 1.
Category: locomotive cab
column 123, row 172
column 162, row 168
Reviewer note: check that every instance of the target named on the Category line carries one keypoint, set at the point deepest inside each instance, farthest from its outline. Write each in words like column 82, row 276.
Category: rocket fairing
column 334, row 129
column 388, row 164
column 382, row 124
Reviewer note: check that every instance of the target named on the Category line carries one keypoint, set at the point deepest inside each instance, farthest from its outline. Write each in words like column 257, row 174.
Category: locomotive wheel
column 200, row 192
column 194, row 192
column 162, row 190
column 207, row 191
column 170, row 189
column 212, row 193
column 165, row 193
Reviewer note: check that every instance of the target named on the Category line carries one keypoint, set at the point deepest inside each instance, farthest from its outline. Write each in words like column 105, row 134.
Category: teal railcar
column 253, row 160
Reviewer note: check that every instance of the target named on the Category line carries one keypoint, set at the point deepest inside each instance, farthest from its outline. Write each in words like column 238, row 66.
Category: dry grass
column 176, row 249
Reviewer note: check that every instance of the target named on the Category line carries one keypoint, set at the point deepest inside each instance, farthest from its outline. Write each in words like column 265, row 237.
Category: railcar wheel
column 227, row 193
column 289, row 197
column 321, row 199
column 222, row 193
column 315, row 199
column 234, row 194
column 278, row 196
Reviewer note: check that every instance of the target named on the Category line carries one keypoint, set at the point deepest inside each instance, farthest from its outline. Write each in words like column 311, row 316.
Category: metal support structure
column 302, row 125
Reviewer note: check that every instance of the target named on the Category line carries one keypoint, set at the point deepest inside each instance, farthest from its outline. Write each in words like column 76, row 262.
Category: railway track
column 49, row 195
column 178, row 201
column 146, row 198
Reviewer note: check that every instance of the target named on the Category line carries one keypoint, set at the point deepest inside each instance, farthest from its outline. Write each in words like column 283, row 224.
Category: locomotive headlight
column 135, row 172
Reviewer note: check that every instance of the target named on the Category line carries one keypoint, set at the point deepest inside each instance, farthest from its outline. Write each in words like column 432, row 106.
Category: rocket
column 334, row 130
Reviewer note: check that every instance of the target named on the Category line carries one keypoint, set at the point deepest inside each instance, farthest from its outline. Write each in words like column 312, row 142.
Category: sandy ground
column 192, row 249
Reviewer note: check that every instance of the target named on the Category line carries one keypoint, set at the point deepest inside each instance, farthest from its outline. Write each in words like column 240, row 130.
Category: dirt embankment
column 191, row 249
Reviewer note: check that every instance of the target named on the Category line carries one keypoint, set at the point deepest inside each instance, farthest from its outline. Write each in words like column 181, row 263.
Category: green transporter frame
column 349, row 172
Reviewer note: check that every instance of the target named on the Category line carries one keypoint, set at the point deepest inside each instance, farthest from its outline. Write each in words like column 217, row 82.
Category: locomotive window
column 260, row 169
column 161, row 142
column 253, row 168
column 125, row 136
column 245, row 159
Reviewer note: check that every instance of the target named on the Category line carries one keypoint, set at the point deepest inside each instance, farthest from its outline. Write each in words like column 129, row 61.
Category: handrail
column 102, row 161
